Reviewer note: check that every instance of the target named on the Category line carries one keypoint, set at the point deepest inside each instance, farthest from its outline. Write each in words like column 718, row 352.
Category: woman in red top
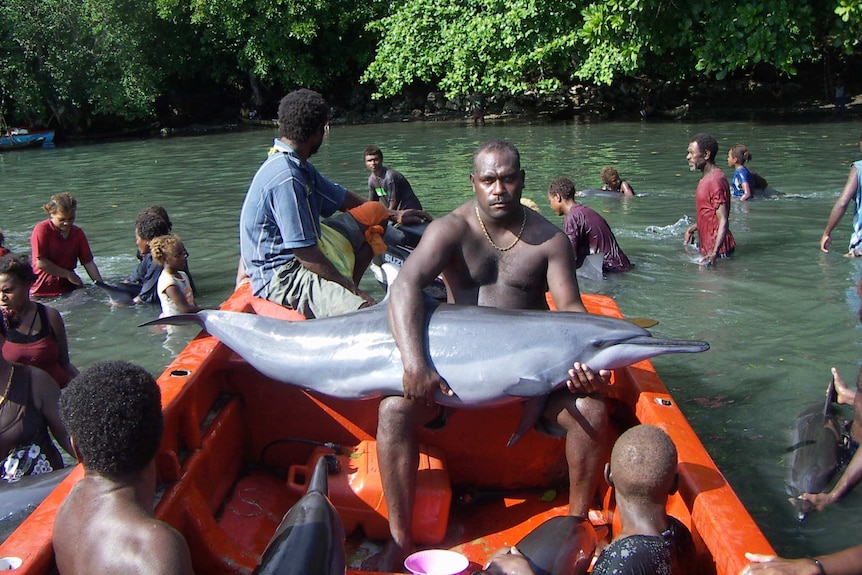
column 57, row 246
column 35, row 333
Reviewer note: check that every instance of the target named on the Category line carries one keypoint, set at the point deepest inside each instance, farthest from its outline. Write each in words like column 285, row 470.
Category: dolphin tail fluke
column 180, row 319
column 532, row 410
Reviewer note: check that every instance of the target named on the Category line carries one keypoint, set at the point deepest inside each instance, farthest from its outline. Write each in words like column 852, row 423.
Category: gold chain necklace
column 8, row 384
column 517, row 238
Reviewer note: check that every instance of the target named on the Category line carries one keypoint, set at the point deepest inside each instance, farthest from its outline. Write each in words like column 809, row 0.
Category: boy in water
column 106, row 524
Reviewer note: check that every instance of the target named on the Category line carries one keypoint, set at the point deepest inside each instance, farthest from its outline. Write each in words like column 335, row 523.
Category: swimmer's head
column 163, row 247
column 64, row 203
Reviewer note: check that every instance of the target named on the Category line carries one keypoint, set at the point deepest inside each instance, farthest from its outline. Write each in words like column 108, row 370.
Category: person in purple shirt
column 588, row 232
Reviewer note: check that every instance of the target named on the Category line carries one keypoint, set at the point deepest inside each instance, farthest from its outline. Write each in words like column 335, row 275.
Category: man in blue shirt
column 279, row 224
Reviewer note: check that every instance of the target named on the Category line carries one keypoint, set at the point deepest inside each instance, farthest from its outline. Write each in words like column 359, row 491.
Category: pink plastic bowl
column 436, row 562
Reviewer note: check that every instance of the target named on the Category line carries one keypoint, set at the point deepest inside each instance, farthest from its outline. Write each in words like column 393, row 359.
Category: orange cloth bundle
column 372, row 215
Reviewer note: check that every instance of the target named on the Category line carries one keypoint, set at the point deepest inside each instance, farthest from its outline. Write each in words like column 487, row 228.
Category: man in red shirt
column 712, row 201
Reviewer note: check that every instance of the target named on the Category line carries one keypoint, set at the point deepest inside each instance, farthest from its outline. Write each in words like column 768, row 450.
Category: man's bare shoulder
column 539, row 231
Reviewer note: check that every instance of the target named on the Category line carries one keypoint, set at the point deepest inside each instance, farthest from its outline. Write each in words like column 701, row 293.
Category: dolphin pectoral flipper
column 532, row 411
column 527, row 388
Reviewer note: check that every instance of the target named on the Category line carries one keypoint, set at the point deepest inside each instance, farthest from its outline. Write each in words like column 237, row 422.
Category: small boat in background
column 14, row 138
column 17, row 138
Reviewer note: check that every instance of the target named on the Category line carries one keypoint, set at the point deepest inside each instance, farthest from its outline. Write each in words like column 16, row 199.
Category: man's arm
column 721, row 213
column 561, row 276
column 407, row 307
column 844, row 562
column 839, row 208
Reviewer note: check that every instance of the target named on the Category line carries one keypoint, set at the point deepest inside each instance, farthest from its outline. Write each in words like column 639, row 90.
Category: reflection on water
column 778, row 314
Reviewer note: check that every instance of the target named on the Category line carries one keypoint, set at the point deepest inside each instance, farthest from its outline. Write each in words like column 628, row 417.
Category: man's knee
column 589, row 413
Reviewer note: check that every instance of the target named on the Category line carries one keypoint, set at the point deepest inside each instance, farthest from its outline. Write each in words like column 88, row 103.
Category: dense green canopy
column 75, row 62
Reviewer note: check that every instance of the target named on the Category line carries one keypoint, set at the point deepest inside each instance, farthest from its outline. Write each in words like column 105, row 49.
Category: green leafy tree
column 287, row 43
column 70, row 61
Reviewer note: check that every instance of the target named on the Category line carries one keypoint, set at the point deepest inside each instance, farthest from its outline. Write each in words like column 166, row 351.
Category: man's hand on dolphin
column 584, row 381
column 819, row 500
column 420, row 387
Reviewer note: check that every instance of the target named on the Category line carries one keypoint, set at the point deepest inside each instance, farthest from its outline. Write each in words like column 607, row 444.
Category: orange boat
column 238, row 448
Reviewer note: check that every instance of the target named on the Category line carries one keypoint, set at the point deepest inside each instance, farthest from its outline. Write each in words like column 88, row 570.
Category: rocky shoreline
column 741, row 101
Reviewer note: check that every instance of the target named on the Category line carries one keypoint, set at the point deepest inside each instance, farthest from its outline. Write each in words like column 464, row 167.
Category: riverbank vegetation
column 91, row 65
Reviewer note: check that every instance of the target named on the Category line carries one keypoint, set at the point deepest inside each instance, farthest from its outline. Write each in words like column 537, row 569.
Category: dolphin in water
column 20, row 498
column 815, row 453
column 120, row 294
column 488, row 356
column 310, row 538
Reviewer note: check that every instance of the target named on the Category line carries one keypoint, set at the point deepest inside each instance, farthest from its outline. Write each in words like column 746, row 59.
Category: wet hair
column 643, row 464
column 162, row 247
column 373, row 150
column 706, row 143
column 151, row 226
column 496, row 145
column 563, row 186
column 609, row 172
column 64, row 203
column 740, row 153
column 2, row 239
column 154, row 211
column 300, row 114
column 113, row 410
column 18, row 266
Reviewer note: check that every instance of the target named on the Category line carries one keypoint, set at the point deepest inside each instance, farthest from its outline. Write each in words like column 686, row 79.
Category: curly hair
column 18, row 266
column 64, row 203
column 154, row 211
column 609, row 172
column 563, row 186
column 300, row 114
column 113, row 410
column 163, row 246
column 706, row 143
column 149, row 226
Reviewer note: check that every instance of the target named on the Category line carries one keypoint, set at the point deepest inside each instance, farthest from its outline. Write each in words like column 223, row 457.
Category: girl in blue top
column 742, row 182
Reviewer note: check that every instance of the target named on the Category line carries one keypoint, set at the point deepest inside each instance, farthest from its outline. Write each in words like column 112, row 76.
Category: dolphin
column 562, row 545
column 20, row 498
column 599, row 193
column 310, row 538
column 815, row 453
column 488, row 356
column 591, row 268
column 120, row 294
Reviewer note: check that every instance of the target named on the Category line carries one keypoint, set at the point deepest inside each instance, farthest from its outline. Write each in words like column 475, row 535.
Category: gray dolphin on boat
column 310, row 538
column 815, row 453
column 562, row 545
column 488, row 356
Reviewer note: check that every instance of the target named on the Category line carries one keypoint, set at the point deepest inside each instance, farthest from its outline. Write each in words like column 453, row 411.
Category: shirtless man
column 493, row 252
column 106, row 524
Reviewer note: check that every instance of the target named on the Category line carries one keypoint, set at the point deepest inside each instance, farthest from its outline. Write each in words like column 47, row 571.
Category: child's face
column 177, row 260
column 556, row 204
column 143, row 245
column 63, row 221
column 14, row 295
